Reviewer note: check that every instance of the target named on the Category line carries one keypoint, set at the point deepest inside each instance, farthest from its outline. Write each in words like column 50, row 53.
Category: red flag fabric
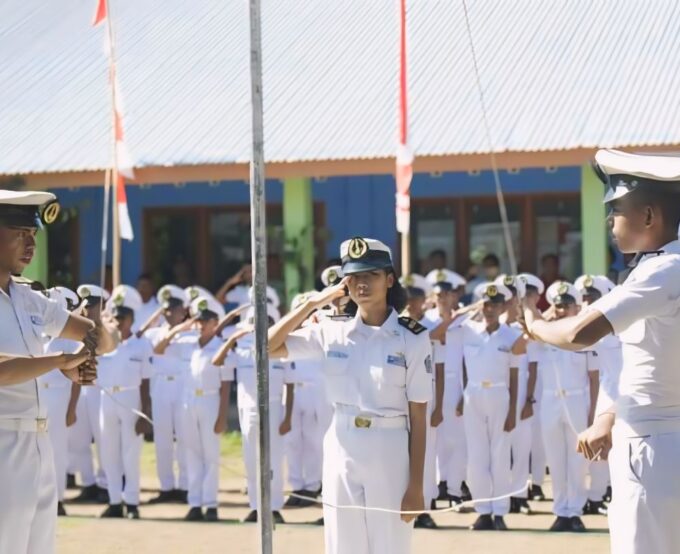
column 404, row 169
column 124, row 223
column 100, row 14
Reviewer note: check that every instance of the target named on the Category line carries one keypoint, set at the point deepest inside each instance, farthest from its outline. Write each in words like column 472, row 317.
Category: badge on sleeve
column 428, row 364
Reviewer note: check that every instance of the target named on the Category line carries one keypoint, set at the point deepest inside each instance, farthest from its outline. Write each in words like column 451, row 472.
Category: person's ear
column 390, row 280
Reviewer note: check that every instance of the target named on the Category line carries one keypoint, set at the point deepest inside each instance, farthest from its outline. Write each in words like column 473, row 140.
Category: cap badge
column 166, row 294
column 50, row 213
column 491, row 291
column 508, row 280
column 193, row 293
column 588, row 281
column 202, row 305
column 85, row 292
column 118, row 300
column 563, row 288
column 440, row 276
column 358, row 248
column 408, row 280
column 332, row 276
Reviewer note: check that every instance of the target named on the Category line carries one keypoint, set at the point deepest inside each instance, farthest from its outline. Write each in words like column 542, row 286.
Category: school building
column 558, row 82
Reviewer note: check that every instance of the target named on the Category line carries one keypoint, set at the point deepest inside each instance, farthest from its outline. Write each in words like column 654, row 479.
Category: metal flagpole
column 259, row 262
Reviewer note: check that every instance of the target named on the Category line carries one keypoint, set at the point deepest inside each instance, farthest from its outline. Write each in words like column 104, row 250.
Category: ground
column 161, row 528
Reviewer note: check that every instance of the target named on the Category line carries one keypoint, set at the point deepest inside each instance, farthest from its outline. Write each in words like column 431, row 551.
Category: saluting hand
column 328, row 295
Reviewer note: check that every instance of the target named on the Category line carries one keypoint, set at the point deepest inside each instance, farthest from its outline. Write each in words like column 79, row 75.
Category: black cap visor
column 206, row 315
column 564, row 300
column 372, row 260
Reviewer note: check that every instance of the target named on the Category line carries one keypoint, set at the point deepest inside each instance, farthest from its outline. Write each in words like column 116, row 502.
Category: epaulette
column 412, row 325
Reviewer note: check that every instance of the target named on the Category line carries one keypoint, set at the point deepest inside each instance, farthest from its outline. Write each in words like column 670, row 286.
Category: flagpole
column 259, row 262
column 116, row 242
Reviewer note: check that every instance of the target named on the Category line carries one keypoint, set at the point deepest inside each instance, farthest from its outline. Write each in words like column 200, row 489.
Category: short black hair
column 668, row 201
column 491, row 259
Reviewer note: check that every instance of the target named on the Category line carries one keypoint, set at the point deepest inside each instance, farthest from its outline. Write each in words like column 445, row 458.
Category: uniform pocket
column 389, row 374
column 640, row 457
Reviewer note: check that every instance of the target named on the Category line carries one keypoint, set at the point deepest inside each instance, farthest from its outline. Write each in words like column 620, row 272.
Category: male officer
column 28, row 509
column 644, row 213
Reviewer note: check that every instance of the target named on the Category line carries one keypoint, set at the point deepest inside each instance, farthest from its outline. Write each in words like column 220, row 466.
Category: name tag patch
column 428, row 364
column 336, row 354
column 503, row 349
column 37, row 320
column 399, row 360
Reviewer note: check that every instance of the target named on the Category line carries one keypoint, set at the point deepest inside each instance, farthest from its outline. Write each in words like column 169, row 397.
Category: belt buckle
column 486, row 384
column 115, row 389
column 41, row 424
column 198, row 392
column 362, row 422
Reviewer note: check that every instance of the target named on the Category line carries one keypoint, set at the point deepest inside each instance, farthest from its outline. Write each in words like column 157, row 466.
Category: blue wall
column 354, row 205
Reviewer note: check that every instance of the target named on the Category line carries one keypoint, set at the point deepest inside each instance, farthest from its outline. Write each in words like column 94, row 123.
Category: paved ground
column 161, row 528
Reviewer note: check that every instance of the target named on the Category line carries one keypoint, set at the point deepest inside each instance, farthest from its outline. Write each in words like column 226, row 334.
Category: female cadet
column 378, row 373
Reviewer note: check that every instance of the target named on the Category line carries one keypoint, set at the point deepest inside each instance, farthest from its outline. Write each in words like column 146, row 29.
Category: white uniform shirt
column 242, row 360
column 489, row 357
column 308, row 372
column 566, row 370
column 26, row 317
column 522, row 359
column 56, row 378
column 377, row 371
column 203, row 374
column 175, row 360
column 611, row 362
column 238, row 295
column 144, row 313
column 645, row 314
column 127, row 365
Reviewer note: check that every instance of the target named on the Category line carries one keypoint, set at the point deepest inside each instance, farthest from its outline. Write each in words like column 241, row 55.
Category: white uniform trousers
column 80, row 437
column 202, row 450
column 451, row 444
column 365, row 467
column 430, row 489
column 520, row 444
column 538, row 460
column 304, row 443
column 568, row 468
column 28, row 493
column 599, row 479
column 56, row 400
column 121, row 446
column 248, row 419
column 644, row 514
column 489, row 474
column 167, row 408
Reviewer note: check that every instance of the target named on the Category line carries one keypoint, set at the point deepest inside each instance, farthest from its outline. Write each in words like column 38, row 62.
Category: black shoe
column 60, row 509
column 194, row 514
column 251, row 517
column 483, row 523
column 560, row 525
column 454, row 501
column 131, row 511
column 102, row 496
column 433, row 504
column 71, row 481
column 89, row 494
column 211, row 514
column 577, row 525
column 180, row 496
column 277, row 517
column 425, row 521
column 499, row 523
column 309, row 500
column 466, row 495
column 608, row 495
column 164, row 497
column 319, row 522
column 514, row 505
column 443, row 488
column 293, row 501
column 537, row 493
column 523, row 506
column 114, row 510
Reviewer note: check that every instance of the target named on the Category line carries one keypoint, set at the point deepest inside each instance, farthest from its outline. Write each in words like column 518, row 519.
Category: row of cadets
column 237, row 355
column 520, row 437
column 60, row 396
column 570, row 389
column 592, row 288
column 417, row 290
column 492, row 352
column 124, row 376
column 86, row 430
column 171, row 366
column 445, row 326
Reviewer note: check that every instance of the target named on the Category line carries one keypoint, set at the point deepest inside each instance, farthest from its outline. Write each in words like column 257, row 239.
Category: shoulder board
column 412, row 325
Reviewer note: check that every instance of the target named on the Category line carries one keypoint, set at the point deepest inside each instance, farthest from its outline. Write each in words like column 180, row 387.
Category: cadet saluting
column 378, row 370
column 28, row 509
column 644, row 205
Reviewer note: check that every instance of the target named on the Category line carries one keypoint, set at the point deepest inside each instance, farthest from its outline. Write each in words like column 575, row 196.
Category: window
column 487, row 234
column 434, row 229
column 558, row 231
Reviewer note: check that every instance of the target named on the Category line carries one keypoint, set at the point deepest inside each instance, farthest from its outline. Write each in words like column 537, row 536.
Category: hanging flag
column 124, row 223
column 100, row 14
column 404, row 169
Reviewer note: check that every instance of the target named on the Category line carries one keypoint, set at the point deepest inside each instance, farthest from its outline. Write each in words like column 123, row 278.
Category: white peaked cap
column 560, row 288
column 532, row 281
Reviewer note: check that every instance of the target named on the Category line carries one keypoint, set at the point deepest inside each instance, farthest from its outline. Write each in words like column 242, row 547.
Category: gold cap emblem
column 491, row 291
column 118, row 300
column 166, row 294
column 408, row 280
column 440, row 276
column 193, row 293
column 85, row 292
column 563, row 288
column 202, row 305
column 50, row 212
column 332, row 276
column 358, row 248
column 588, row 281
column 508, row 280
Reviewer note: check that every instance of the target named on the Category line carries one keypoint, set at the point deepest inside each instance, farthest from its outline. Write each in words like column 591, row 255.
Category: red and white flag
column 100, row 14
column 404, row 169
column 124, row 223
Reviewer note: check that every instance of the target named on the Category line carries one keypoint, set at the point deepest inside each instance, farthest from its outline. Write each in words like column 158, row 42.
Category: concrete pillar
column 298, row 232
column 593, row 223
column 38, row 270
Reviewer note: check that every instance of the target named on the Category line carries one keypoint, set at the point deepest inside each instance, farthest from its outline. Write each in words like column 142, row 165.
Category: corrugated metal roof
column 556, row 75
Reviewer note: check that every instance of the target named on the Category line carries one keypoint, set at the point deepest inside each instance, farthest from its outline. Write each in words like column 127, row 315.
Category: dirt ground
column 161, row 528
